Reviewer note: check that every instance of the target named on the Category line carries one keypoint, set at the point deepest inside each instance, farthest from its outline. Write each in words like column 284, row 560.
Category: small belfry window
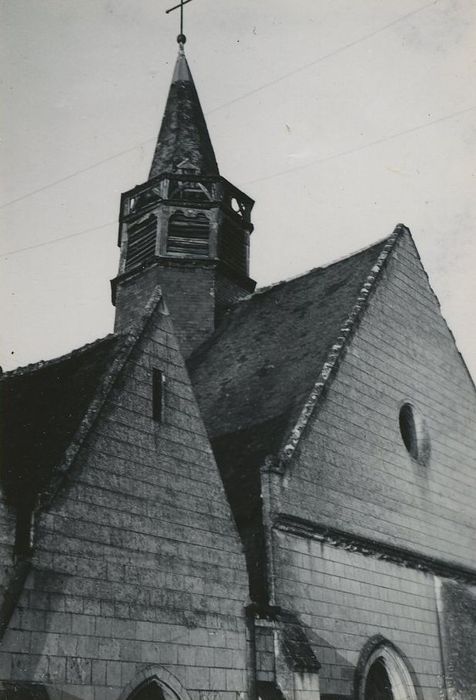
column 188, row 234
column 414, row 433
column 158, row 395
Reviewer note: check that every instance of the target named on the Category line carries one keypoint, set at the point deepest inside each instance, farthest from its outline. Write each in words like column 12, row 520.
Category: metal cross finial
column 181, row 37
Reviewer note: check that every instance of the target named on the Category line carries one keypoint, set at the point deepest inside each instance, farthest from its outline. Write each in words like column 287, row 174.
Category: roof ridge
column 335, row 261
column 131, row 330
column 236, row 306
column 345, row 334
column 121, row 354
column 33, row 366
column 98, row 398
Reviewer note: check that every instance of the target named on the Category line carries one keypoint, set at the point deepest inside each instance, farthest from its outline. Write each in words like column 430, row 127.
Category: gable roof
column 42, row 408
column 256, row 373
column 48, row 408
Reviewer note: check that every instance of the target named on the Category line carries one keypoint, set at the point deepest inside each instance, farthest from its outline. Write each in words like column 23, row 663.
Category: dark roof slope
column 42, row 407
column 262, row 362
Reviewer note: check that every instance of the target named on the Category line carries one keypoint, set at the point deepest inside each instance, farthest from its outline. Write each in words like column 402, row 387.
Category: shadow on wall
column 306, row 652
column 459, row 638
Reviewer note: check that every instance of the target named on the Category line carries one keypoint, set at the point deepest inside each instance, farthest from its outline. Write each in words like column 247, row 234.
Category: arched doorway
column 384, row 675
column 154, row 683
column 377, row 684
column 150, row 690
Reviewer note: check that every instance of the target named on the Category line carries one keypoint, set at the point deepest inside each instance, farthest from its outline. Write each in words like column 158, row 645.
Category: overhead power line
column 364, row 146
column 71, row 175
column 245, row 95
column 333, row 156
column 340, row 49
column 57, row 240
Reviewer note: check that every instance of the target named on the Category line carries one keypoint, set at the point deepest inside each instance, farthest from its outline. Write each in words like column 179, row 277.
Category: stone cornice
column 374, row 548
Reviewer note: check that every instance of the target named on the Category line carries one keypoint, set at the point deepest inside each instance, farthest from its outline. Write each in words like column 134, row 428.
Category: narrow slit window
column 158, row 395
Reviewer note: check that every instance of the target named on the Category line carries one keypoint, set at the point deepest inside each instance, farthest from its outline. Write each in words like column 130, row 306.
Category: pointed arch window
column 386, row 676
column 150, row 690
column 188, row 235
column 154, row 688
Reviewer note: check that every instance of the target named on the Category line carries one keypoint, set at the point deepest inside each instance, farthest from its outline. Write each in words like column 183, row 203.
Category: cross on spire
column 181, row 37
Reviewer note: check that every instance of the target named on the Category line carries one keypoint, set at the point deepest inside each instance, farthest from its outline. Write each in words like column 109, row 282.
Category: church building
column 240, row 494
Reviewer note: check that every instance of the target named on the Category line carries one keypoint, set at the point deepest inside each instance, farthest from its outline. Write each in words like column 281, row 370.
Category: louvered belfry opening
column 187, row 229
column 188, row 235
column 141, row 239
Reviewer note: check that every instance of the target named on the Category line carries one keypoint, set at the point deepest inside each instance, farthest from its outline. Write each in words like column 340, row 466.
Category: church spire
column 183, row 137
column 186, row 229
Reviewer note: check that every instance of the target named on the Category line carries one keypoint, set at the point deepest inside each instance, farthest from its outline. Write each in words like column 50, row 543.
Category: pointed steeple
column 186, row 229
column 183, row 134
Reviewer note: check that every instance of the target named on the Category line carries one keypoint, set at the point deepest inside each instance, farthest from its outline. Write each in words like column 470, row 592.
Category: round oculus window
column 414, row 433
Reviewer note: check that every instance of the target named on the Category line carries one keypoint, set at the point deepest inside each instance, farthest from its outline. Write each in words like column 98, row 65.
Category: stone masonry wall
column 352, row 470
column 344, row 598
column 189, row 292
column 136, row 560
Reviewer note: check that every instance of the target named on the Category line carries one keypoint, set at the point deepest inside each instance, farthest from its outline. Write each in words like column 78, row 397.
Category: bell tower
column 186, row 228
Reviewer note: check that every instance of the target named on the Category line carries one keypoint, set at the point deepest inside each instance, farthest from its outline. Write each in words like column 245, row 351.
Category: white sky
column 338, row 117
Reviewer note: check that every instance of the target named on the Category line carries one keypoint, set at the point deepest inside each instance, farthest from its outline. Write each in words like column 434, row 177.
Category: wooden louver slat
column 141, row 241
column 188, row 235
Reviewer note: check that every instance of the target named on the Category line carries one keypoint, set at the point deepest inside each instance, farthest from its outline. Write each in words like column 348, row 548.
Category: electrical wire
column 364, row 146
column 57, row 240
column 333, row 156
column 323, row 58
column 225, row 104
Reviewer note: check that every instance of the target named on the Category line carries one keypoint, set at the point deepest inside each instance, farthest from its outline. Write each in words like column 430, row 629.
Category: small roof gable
column 42, row 407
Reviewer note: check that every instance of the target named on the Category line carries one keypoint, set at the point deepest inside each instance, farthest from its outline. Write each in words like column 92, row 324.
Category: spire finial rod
column 181, row 37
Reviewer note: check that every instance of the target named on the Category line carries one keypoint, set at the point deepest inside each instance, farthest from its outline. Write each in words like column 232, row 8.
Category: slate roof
column 253, row 376
column 42, row 408
column 183, row 133
column 260, row 374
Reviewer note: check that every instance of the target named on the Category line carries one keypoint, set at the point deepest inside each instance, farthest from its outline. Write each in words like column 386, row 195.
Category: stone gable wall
column 352, row 470
column 137, row 561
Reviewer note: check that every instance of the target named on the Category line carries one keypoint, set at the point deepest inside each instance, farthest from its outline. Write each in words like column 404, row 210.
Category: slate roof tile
column 42, row 407
column 262, row 362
